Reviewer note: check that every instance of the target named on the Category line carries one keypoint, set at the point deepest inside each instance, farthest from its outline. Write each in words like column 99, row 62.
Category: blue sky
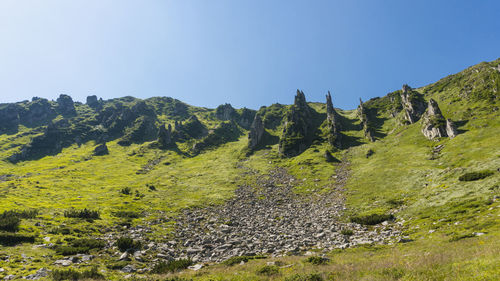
column 247, row 53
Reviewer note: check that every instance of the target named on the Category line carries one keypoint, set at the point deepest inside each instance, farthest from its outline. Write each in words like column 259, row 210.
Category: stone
column 225, row 112
column 9, row 277
column 196, row 267
column 333, row 123
column 101, row 150
column 256, row 134
column 41, row 273
column 124, row 256
column 93, row 102
column 128, row 269
column 413, row 104
column 165, row 136
column 65, row 106
column 433, row 122
column 63, row 262
column 451, row 130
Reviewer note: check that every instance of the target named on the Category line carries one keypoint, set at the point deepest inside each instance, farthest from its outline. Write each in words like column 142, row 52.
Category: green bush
column 268, row 270
column 71, row 274
column 237, row 260
column 347, row 232
column 82, row 214
column 88, row 243
column 127, row 214
column 127, row 243
column 171, row 266
column 10, row 239
column 70, row 250
column 305, row 277
column 126, row 190
column 317, row 260
column 10, row 224
column 371, row 219
column 24, row 214
column 474, row 176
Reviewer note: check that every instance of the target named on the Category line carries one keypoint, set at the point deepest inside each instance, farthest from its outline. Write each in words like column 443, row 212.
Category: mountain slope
column 141, row 189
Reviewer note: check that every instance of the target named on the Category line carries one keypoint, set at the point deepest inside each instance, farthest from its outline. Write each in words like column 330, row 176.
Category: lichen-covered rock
column 413, row 104
column 65, row 106
column 256, row 134
column 297, row 128
column 165, row 136
column 101, row 150
column 433, row 122
column 333, row 123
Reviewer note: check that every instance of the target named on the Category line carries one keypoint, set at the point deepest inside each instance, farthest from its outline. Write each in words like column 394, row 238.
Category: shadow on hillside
column 459, row 125
column 375, row 123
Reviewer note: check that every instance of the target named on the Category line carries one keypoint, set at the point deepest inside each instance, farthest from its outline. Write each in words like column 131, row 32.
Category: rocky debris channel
column 269, row 218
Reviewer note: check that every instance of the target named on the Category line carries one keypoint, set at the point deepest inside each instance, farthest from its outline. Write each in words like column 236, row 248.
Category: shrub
column 474, row 176
column 127, row 214
column 305, row 277
column 24, row 214
column 117, row 265
column 70, row 250
column 268, row 270
column 372, row 219
column 88, row 243
column 369, row 153
column 171, row 266
column 237, row 260
column 127, row 243
column 10, row 224
column 127, row 190
column 317, row 260
column 10, row 239
column 82, row 214
column 71, row 274
column 347, row 232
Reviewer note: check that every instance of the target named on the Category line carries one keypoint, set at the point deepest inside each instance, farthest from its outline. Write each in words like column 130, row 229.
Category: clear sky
column 246, row 52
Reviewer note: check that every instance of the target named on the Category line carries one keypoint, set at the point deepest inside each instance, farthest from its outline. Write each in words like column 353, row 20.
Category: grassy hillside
column 450, row 226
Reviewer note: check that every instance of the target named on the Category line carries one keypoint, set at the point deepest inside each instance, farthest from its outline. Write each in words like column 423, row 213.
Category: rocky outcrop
column 433, row 122
column 225, row 112
column 92, row 102
column 363, row 117
column 256, row 134
column 190, row 129
column 143, row 129
column 101, row 150
column 297, row 129
column 451, row 129
column 226, row 132
column 165, row 136
column 38, row 112
column 9, row 118
column 413, row 104
column 65, row 106
column 246, row 118
column 333, row 123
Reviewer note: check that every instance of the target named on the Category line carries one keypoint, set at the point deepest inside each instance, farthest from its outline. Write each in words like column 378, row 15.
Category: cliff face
column 413, row 104
column 256, row 134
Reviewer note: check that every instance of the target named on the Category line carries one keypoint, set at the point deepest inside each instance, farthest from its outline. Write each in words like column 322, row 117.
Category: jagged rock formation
column 226, row 112
column 9, row 118
column 92, row 102
column 101, row 150
column 451, row 129
column 364, row 121
column 256, row 134
column 165, row 136
column 434, row 125
column 297, row 129
column 143, row 129
column 413, row 104
column 190, row 129
column 38, row 112
column 65, row 106
column 333, row 123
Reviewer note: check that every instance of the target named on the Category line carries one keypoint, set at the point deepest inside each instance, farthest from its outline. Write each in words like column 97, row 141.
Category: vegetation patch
column 10, row 239
column 268, row 270
column 171, row 266
column 82, row 214
column 317, row 260
column 71, row 274
column 474, row 176
column 237, row 260
column 372, row 219
column 305, row 277
column 127, row 244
